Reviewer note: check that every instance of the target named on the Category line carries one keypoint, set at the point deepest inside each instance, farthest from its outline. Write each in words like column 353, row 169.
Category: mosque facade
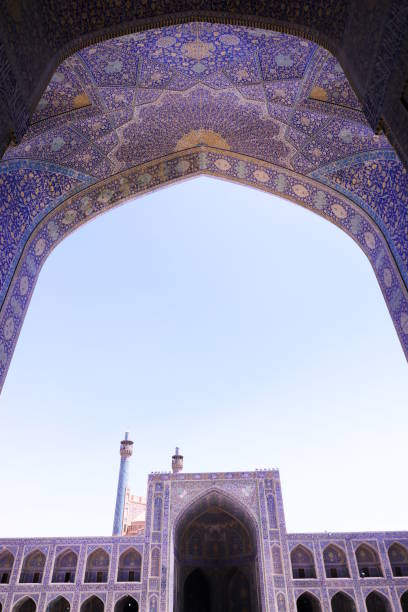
column 205, row 542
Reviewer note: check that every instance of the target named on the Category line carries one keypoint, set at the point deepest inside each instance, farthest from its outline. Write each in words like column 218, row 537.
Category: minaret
column 177, row 461
column 126, row 450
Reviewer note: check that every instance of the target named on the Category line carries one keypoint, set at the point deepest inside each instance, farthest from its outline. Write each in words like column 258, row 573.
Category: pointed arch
column 59, row 604
column 25, row 605
column 404, row 601
column 130, row 565
column 341, row 602
column 6, row 566
column 335, row 562
column 398, row 556
column 97, row 566
column 65, row 566
column 377, row 602
column 302, row 560
column 368, row 561
column 92, row 604
column 33, row 567
column 126, row 604
column 230, row 504
column 307, row 602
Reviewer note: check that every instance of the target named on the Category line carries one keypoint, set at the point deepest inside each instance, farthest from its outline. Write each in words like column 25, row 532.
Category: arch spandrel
column 131, row 114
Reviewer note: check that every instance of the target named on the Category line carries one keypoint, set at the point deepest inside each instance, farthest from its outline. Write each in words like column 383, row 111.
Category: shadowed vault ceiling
column 260, row 107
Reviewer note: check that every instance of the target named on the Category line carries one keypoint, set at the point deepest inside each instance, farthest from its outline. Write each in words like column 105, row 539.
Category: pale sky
column 241, row 327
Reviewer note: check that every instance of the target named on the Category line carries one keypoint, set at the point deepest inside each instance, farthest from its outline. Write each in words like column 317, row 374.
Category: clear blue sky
column 239, row 326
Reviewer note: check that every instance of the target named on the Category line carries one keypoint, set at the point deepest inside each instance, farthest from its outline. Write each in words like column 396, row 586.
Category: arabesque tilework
column 259, row 107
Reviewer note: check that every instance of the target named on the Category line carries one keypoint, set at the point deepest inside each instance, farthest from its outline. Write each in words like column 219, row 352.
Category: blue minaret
column 126, row 450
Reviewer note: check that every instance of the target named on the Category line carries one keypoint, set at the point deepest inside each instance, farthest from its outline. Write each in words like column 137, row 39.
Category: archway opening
column 404, row 601
column 65, row 567
column 308, row 603
column 130, row 564
column 342, row 603
column 368, row 562
column 376, row 602
column 97, row 566
column 92, row 604
column 59, row 605
column 302, row 561
column 215, row 558
column 398, row 556
column 6, row 565
column 33, row 567
column 127, row 604
column 26, row 605
column 335, row 563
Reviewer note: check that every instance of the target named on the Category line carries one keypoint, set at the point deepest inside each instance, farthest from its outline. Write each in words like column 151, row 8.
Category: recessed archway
column 92, row 604
column 341, row 602
column 215, row 556
column 126, row 604
column 60, row 604
column 25, row 605
column 308, row 603
column 377, row 602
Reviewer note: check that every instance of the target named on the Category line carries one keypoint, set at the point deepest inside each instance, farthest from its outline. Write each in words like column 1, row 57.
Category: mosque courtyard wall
column 289, row 564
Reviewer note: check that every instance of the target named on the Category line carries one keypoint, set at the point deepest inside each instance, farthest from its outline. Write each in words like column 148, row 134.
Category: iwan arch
column 263, row 107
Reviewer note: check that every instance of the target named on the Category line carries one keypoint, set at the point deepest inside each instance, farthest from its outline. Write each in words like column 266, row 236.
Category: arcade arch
column 92, row 604
column 25, row 605
column 341, row 602
column 60, row 604
column 302, row 561
column 216, row 556
column 368, row 562
column 335, row 562
column 130, row 565
column 126, row 604
column 65, row 567
column 309, row 142
column 404, row 601
column 33, row 567
column 398, row 556
column 6, row 566
column 308, row 603
column 376, row 602
column 97, row 566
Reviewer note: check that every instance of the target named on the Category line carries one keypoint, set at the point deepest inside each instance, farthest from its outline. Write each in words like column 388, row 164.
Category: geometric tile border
column 104, row 195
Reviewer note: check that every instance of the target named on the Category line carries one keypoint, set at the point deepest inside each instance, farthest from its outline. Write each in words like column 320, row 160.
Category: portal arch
column 309, row 143
column 215, row 555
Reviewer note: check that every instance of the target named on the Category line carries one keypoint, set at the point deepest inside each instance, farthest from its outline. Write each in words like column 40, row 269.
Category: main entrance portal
column 215, row 560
